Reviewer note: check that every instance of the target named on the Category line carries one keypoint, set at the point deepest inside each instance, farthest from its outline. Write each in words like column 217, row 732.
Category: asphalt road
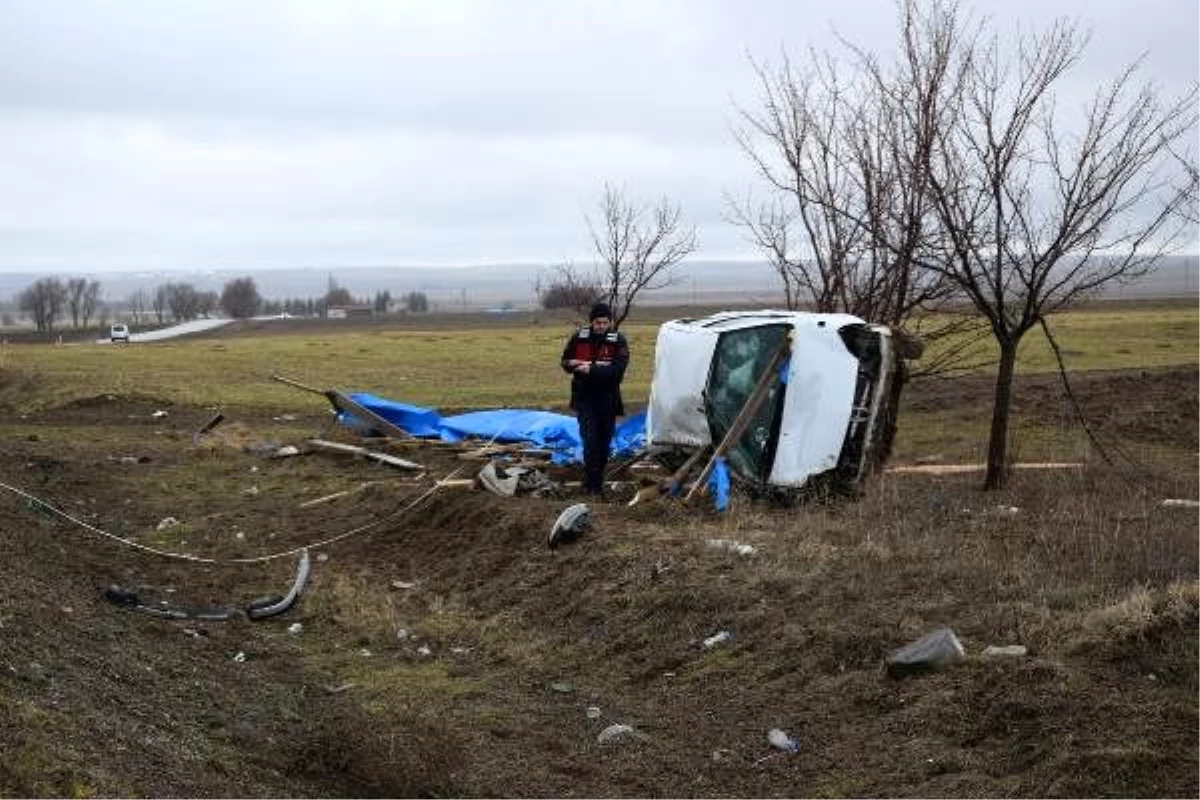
column 192, row 326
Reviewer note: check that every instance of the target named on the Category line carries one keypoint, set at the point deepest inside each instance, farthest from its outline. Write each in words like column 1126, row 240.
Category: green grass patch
column 479, row 367
column 476, row 368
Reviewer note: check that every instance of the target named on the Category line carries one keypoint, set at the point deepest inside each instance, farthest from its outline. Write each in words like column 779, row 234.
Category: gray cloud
column 139, row 133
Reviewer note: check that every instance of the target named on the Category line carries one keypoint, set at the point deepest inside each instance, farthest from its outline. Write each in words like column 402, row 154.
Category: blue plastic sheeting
column 546, row 430
column 415, row 420
column 718, row 484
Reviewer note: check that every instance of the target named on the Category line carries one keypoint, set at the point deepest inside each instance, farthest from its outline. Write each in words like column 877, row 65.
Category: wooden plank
column 343, row 403
column 676, row 477
column 217, row 419
column 456, row 483
column 383, row 458
column 316, row 501
column 742, row 420
column 672, row 482
column 297, row 384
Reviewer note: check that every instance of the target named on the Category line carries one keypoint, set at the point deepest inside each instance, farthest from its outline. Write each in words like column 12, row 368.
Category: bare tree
column 416, row 302
column 945, row 177
column 1039, row 215
column 159, row 304
column 240, row 298
column 637, row 246
column 90, row 302
column 44, row 302
column 75, row 289
column 567, row 287
column 183, row 301
column 844, row 150
column 207, row 303
column 139, row 303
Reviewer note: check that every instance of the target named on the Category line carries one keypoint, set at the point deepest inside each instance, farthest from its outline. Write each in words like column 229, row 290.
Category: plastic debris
column 167, row 522
column 593, row 712
column 718, row 484
column 614, row 732
column 239, row 657
column 570, row 525
column 717, row 638
column 734, row 547
column 937, row 649
column 1179, row 503
column 781, row 741
column 295, row 628
column 1010, row 650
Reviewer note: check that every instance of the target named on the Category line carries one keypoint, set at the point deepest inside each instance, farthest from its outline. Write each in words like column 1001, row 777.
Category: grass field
column 476, row 366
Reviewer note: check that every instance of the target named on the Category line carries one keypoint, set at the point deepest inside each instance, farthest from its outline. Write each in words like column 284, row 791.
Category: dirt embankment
column 442, row 648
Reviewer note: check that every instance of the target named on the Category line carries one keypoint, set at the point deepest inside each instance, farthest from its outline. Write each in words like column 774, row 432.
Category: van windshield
column 738, row 361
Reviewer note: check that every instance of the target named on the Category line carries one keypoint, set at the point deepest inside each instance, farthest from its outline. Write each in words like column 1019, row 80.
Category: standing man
column 596, row 358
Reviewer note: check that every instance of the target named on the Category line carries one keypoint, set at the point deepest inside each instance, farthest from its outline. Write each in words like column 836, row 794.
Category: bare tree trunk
column 997, row 460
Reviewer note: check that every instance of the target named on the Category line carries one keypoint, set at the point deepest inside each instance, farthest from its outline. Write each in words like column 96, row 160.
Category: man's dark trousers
column 597, row 421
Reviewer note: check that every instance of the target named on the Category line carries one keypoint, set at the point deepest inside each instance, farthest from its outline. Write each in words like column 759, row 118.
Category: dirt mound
column 441, row 648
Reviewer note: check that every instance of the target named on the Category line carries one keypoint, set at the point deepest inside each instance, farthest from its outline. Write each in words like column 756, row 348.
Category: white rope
column 204, row 560
column 257, row 559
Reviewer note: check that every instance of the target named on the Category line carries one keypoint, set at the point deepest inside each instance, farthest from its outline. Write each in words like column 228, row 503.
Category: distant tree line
column 50, row 300
column 53, row 302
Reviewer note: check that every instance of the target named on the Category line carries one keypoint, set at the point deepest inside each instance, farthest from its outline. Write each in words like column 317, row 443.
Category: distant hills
column 513, row 285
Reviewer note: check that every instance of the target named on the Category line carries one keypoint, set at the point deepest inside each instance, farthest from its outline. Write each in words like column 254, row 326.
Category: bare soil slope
column 443, row 649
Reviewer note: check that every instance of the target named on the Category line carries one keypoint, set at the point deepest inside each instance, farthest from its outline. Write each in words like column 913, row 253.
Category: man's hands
column 585, row 367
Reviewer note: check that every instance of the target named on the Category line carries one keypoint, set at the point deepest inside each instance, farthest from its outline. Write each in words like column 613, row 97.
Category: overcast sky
column 151, row 134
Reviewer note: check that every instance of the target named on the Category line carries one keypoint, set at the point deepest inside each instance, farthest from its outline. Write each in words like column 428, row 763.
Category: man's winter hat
column 600, row 310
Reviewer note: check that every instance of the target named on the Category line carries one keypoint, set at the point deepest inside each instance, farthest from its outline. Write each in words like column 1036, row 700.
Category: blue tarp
column 545, row 430
column 718, row 484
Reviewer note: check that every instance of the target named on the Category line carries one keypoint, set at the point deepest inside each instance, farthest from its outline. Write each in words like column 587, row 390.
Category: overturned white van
column 790, row 399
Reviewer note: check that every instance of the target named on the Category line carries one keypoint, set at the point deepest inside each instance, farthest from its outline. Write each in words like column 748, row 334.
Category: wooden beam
column 297, row 384
column 742, row 421
column 343, row 403
column 383, row 458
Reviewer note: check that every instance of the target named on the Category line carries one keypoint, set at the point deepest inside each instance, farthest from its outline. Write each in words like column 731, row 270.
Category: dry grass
column 506, row 644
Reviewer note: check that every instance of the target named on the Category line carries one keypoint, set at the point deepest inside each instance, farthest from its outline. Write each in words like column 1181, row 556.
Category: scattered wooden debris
column 316, row 501
column 955, row 469
column 298, row 385
column 383, row 458
column 490, row 450
column 671, row 485
column 344, row 404
column 456, row 483
column 208, row 426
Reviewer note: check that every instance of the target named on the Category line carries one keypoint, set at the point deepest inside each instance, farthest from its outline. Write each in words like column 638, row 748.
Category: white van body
column 119, row 333
column 828, row 410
